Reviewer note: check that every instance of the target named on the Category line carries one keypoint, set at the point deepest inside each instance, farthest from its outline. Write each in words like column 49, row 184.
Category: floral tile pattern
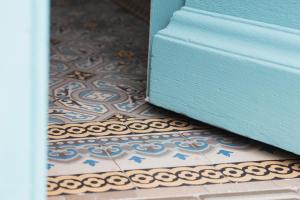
column 103, row 136
column 161, row 152
column 140, row 151
column 98, row 64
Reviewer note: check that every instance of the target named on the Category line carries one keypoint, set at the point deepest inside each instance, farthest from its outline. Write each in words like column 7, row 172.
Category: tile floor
column 106, row 142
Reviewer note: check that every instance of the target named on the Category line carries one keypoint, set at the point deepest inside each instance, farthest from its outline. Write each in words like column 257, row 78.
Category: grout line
column 207, row 158
column 115, row 162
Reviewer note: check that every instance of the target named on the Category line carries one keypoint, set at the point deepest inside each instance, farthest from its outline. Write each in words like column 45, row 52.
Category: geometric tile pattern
column 171, row 177
column 71, row 142
column 116, row 127
column 152, row 154
column 97, row 64
column 147, row 145
column 79, row 75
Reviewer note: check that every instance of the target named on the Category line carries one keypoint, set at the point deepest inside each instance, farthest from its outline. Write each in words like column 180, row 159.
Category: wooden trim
column 252, row 39
column 40, row 28
column 160, row 15
column 233, row 73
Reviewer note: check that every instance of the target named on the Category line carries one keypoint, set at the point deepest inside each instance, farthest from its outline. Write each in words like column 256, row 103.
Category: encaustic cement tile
column 166, row 150
column 155, row 149
column 96, row 178
column 74, row 145
column 78, row 157
column 232, row 155
column 118, row 127
column 173, row 177
column 88, row 183
column 157, row 159
column 97, row 70
column 227, row 147
column 152, row 149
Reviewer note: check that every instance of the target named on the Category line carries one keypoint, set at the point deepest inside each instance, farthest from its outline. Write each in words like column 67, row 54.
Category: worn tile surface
column 98, row 59
column 107, row 142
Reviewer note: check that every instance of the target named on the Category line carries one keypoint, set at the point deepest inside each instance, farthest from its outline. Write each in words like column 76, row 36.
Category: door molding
column 238, row 74
column 252, row 39
column 160, row 14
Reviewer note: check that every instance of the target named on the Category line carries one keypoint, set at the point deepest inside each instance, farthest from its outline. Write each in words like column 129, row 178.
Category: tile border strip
column 176, row 176
column 118, row 127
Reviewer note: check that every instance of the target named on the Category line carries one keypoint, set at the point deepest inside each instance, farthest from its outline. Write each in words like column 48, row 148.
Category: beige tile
column 240, row 187
column 264, row 195
column 171, row 193
column 56, row 198
column 105, row 196
column 175, row 198
column 288, row 183
column 178, row 193
column 251, row 190
column 124, row 197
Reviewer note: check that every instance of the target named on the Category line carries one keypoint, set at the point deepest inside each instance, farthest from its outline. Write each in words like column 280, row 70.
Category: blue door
column 23, row 103
column 230, row 63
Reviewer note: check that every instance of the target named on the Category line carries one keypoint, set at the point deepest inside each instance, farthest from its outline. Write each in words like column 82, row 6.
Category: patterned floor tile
column 228, row 148
column 168, row 157
column 78, row 157
column 97, row 67
column 87, row 183
column 105, row 139
column 80, row 75
column 173, row 177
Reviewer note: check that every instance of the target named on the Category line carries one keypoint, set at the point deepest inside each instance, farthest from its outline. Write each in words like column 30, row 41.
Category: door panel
column 229, row 69
column 161, row 13
column 24, row 67
column 281, row 12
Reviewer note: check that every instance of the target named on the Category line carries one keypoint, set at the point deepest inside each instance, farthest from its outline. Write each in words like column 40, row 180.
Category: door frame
column 24, row 56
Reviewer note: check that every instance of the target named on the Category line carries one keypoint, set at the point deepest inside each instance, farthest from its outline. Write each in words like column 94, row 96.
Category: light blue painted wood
column 245, row 79
column 23, row 103
column 161, row 12
column 280, row 12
